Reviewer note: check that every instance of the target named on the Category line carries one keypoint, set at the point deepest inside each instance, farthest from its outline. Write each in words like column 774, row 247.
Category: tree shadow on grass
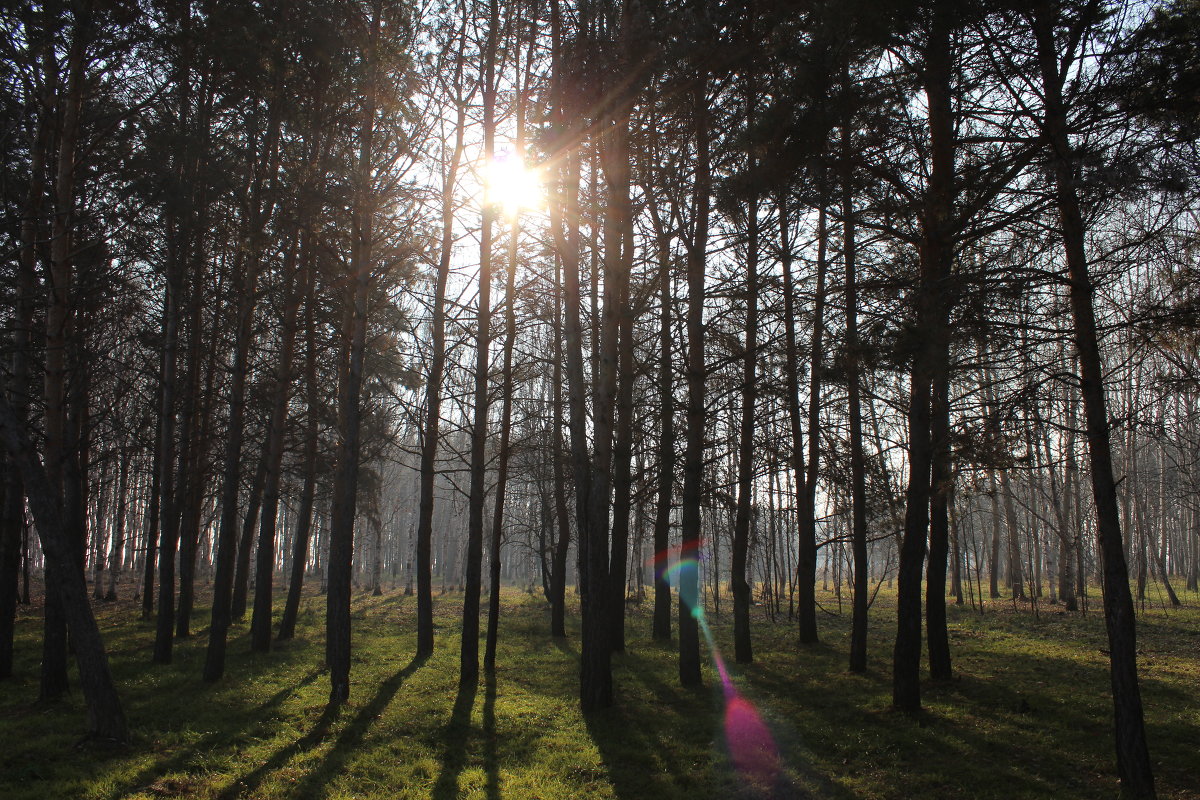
column 347, row 742
column 215, row 740
column 458, row 731
column 491, row 762
column 246, row 786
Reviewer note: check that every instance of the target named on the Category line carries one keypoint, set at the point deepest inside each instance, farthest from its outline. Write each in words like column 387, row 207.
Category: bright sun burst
column 513, row 185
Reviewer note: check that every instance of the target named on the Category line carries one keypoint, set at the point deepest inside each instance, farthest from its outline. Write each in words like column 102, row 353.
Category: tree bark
column 468, row 674
column 690, row 608
column 106, row 718
column 353, row 346
column 1133, row 756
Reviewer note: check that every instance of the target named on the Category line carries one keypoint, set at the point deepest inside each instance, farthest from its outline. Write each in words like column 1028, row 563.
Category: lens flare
column 751, row 747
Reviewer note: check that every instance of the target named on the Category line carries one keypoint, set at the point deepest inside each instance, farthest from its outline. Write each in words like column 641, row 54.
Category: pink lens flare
column 751, row 747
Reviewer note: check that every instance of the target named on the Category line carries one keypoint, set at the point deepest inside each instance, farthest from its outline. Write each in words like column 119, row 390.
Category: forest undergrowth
column 1027, row 715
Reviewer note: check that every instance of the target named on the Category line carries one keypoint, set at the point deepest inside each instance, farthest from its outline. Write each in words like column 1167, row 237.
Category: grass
column 1027, row 715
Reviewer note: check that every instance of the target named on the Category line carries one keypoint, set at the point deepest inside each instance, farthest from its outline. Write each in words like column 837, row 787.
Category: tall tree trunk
column 1133, row 756
column 260, row 620
column 469, row 652
column 690, row 608
column 59, row 336
column 742, row 645
column 506, row 390
column 433, row 385
column 928, row 360
column 558, row 564
column 942, row 489
column 666, row 442
column 858, row 489
column 619, row 263
column 304, row 517
column 353, row 345
column 808, row 482
column 18, row 387
column 806, row 551
column 246, row 273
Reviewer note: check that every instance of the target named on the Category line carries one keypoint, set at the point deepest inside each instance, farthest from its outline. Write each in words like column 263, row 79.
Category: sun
column 513, row 186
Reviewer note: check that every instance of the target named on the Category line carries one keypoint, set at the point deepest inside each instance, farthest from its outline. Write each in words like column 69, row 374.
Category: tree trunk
column 1133, row 757
column 690, row 609
column 106, row 719
column 304, row 519
column 353, row 345
column 469, row 652
column 858, row 489
column 928, row 360
column 260, row 620
column 666, row 444
column 742, row 645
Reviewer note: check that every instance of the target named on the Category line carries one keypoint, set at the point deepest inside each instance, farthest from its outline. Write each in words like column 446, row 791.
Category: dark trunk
column 469, row 652
column 350, row 379
column 858, row 491
column 742, row 645
column 690, row 608
column 929, row 361
column 106, row 719
column 1133, row 757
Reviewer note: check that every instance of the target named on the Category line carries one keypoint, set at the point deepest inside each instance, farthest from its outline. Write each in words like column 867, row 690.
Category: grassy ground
column 1027, row 715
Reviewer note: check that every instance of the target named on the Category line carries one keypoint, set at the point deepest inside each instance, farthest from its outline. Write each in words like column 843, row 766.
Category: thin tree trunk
column 666, row 444
column 353, row 346
column 260, row 620
column 806, row 556
column 690, row 610
column 304, row 519
column 469, row 653
column 928, row 361
column 433, row 389
column 858, row 489
column 1133, row 757
column 742, row 644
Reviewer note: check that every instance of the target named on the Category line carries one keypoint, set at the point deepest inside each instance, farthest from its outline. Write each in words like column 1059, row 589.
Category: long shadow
column 351, row 735
column 491, row 762
column 458, row 731
column 210, row 742
column 247, row 785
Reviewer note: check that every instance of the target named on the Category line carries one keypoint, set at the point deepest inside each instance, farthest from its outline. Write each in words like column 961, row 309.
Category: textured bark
column 941, row 479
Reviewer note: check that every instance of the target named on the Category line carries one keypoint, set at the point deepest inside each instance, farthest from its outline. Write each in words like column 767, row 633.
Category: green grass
column 1027, row 715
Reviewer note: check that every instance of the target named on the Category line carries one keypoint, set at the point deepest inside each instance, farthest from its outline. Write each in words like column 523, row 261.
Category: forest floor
column 1027, row 715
